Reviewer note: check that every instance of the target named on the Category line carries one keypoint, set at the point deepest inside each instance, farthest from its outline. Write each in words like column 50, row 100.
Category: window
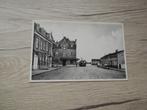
column 41, row 44
column 46, row 46
column 46, row 58
column 37, row 42
column 56, row 53
column 64, row 54
column 40, row 59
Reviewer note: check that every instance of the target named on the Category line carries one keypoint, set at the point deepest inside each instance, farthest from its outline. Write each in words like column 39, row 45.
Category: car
column 82, row 63
column 98, row 64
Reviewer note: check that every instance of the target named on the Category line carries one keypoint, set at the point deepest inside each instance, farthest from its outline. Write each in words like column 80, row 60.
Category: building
column 114, row 60
column 42, row 48
column 95, row 61
column 109, row 60
column 121, row 60
column 65, row 52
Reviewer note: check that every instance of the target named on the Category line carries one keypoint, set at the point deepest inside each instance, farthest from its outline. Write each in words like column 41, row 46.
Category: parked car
column 82, row 63
column 98, row 65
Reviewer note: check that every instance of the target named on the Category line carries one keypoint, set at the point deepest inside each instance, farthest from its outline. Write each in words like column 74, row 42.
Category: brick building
column 65, row 52
column 42, row 48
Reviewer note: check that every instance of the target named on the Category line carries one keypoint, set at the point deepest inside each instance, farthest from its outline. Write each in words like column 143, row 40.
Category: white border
column 74, row 80
column 30, row 78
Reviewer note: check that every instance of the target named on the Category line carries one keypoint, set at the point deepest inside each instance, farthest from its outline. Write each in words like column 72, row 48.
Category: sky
column 94, row 39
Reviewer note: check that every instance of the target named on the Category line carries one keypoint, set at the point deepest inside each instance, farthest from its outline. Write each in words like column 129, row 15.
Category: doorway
column 35, row 63
column 63, row 62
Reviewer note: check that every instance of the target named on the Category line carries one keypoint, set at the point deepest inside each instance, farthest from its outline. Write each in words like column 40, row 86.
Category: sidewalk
column 116, row 69
column 111, row 68
column 35, row 72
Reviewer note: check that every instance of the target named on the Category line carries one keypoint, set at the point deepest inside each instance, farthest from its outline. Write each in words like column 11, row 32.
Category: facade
column 109, row 60
column 42, row 48
column 65, row 52
column 121, row 61
column 115, row 60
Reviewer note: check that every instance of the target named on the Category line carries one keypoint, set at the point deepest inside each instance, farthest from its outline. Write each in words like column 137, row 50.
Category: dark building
column 42, row 48
column 65, row 52
column 115, row 60
column 95, row 61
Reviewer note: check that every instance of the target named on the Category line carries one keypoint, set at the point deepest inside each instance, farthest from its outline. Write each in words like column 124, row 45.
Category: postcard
column 77, row 51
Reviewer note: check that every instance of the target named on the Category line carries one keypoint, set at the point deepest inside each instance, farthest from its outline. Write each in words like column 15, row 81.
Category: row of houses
column 48, row 53
column 114, row 60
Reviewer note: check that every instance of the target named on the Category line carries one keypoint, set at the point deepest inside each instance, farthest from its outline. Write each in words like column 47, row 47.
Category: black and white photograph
column 77, row 51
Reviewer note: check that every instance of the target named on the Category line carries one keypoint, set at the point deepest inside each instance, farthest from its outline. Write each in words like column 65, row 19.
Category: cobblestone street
column 73, row 72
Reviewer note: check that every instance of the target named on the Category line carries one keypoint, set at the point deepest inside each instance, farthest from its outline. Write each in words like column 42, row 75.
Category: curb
column 112, row 69
column 46, row 71
column 117, row 69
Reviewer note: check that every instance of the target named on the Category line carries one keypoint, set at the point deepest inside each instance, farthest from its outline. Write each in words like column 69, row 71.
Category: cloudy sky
column 94, row 40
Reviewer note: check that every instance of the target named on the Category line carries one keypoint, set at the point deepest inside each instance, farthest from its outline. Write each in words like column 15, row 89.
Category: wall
column 69, row 53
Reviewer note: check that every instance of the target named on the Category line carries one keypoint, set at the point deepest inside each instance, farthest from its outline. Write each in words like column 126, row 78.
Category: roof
column 67, row 42
column 114, row 54
column 66, row 39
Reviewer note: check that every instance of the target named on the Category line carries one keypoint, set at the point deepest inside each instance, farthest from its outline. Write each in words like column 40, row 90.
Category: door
column 35, row 63
column 64, row 62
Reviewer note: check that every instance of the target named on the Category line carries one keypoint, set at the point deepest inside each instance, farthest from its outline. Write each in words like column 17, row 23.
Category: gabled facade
column 65, row 52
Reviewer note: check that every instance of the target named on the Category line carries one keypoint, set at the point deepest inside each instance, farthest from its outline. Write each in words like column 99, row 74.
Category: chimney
column 75, row 40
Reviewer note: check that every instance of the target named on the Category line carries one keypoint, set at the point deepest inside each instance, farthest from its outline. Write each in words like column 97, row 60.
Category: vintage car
column 82, row 63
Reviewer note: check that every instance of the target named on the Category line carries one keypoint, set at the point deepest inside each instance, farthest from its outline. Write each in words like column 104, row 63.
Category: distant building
column 42, row 48
column 109, row 60
column 95, row 61
column 115, row 60
column 65, row 52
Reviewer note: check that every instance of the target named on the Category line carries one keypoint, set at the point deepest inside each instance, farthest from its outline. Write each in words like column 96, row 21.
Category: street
column 73, row 72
